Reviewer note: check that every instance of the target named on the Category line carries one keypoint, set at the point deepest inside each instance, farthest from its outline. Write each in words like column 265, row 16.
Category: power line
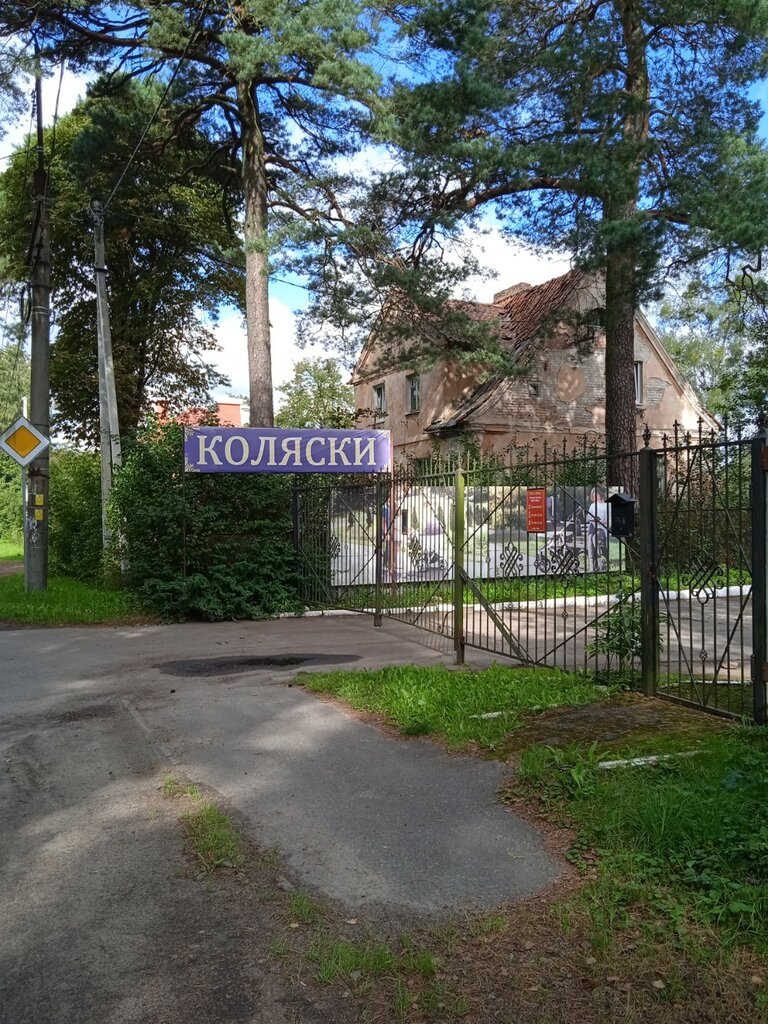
column 160, row 103
column 62, row 68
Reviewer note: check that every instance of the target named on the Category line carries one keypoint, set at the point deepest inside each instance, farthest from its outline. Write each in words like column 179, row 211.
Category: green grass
column 687, row 839
column 11, row 551
column 66, row 602
column 213, row 838
column 446, row 702
column 525, row 588
column 352, row 961
column 173, row 788
column 301, row 906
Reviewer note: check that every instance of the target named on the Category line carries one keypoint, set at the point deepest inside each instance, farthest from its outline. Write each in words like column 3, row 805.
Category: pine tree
column 619, row 129
column 281, row 85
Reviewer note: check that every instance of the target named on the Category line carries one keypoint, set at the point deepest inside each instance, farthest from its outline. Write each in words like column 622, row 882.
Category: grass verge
column 524, row 588
column 11, row 551
column 66, row 602
column 450, row 703
column 685, row 840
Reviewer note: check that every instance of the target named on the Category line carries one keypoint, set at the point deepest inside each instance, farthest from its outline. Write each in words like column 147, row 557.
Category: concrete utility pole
column 36, row 511
column 109, row 427
column 25, row 414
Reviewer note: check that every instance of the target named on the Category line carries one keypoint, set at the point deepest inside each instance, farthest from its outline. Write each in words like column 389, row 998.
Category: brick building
column 554, row 331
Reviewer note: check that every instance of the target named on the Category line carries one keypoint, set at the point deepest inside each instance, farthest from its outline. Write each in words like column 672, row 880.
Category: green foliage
column 686, row 837
column 202, row 545
column 282, row 92
column 66, row 603
column 619, row 633
column 589, row 129
column 166, row 232
column 703, row 331
column 213, row 838
column 14, row 383
column 316, row 396
column 75, row 535
column 451, row 704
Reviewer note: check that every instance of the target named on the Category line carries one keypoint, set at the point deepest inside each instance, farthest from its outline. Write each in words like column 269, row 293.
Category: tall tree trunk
column 256, row 259
column 620, row 409
column 621, row 277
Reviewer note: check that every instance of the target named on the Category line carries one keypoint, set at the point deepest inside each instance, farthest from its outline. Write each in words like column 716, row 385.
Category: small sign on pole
column 536, row 510
column 23, row 442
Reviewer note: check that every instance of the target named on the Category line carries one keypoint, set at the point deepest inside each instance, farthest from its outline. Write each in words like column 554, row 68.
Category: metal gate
column 705, row 553
column 566, row 597
column 678, row 607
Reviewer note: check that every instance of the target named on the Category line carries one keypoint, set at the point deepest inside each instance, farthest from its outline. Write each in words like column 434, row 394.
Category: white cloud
column 232, row 357
column 73, row 88
column 512, row 262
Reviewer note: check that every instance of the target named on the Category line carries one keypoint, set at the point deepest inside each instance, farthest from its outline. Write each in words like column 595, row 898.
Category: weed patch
column 352, row 961
column 173, row 788
column 213, row 838
column 66, row 602
column 301, row 907
column 686, row 839
column 451, row 703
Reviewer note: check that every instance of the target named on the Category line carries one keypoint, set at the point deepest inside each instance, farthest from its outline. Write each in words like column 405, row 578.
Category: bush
column 201, row 545
column 11, row 520
column 75, row 515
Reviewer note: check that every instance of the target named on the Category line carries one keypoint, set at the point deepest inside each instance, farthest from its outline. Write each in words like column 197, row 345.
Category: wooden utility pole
column 36, row 511
column 109, row 427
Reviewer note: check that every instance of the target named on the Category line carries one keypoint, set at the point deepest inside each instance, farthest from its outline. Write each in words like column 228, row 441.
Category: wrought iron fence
column 704, row 509
column 456, row 550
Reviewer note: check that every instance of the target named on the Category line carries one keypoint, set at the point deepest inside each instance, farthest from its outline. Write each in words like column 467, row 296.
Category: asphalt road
column 96, row 924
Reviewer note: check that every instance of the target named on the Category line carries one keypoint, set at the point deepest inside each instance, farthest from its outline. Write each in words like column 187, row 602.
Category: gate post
column 458, row 567
column 759, row 569
column 297, row 559
column 649, row 570
column 379, row 555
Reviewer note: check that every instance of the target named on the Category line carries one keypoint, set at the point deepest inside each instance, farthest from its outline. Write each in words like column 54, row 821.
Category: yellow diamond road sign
column 22, row 441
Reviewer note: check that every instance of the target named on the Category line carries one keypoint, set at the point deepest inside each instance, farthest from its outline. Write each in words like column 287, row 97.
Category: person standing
column 597, row 529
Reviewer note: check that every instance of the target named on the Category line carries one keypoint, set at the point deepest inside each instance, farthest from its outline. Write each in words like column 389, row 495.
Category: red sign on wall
column 536, row 510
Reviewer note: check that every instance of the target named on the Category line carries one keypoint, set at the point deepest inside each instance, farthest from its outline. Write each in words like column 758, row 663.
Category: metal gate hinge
column 765, row 672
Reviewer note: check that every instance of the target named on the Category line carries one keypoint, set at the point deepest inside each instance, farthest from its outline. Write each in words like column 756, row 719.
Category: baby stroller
column 564, row 553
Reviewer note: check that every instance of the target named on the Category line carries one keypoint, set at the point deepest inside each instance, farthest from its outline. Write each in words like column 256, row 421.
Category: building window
column 534, row 389
column 413, row 384
column 379, row 399
column 638, row 383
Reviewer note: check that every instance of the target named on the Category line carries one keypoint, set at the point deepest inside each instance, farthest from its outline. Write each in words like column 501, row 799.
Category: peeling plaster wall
column 569, row 401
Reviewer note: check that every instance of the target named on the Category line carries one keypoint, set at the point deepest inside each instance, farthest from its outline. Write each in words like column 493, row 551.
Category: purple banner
column 286, row 450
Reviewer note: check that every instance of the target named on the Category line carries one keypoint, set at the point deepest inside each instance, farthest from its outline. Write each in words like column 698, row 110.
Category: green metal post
column 379, row 563
column 649, row 570
column 458, row 565
column 759, row 582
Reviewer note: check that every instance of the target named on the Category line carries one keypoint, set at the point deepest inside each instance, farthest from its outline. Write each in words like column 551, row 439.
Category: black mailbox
column 622, row 514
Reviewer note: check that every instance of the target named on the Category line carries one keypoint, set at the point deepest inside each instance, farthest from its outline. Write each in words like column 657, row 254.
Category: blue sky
column 286, row 297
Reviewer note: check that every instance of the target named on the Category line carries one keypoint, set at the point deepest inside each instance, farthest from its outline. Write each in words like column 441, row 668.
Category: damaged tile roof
column 520, row 314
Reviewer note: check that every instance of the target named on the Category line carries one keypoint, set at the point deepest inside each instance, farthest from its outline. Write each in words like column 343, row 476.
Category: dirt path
column 9, row 568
